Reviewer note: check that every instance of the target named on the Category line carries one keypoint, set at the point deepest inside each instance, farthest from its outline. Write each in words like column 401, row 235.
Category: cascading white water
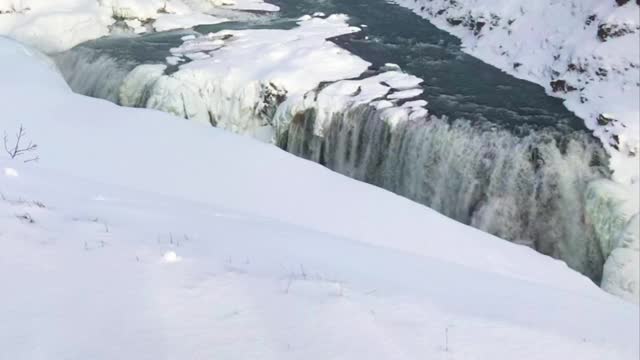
column 528, row 188
column 92, row 73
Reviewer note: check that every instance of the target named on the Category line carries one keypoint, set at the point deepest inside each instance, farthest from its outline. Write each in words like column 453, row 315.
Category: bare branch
column 16, row 149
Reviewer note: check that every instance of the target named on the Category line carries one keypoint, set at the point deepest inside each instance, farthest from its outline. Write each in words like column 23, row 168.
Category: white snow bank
column 280, row 258
column 54, row 26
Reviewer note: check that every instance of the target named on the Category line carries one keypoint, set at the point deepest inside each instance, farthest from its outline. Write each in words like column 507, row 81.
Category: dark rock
column 615, row 143
column 477, row 28
column 608, row 31
column 454, row 21
column 561, row 86
column 604, row 120
column 602, row 72
column 576, row 67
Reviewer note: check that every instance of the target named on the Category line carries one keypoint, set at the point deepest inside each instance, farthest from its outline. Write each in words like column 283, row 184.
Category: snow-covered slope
column 138, row 235
column 54, row 26
column 587, row 52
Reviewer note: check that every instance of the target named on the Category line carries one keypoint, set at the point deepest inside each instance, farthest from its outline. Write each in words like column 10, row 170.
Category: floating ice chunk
column 415, row 104
column 10, row 172
column 206, row 43
column 405, row 94
column 305, row 18
column 319, row 14
column 174, row 21
column 389, row 66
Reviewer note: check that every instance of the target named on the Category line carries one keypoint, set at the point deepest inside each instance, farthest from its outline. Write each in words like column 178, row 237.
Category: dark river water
column 456, row 84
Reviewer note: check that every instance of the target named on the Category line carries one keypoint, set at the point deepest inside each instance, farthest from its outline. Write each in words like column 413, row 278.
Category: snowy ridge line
column 586, row 52
column 55, row 26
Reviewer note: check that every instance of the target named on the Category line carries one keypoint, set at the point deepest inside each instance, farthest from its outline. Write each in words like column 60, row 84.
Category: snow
column 225, row 77
column 10, row 172
column 548, row 40
column 171, row 257
column 341, row 95
column 296, row 59
column 279, row 257
column 55, row 26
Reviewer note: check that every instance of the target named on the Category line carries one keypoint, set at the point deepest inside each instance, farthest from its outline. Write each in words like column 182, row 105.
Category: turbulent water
column 500, row 156
column 528, row 187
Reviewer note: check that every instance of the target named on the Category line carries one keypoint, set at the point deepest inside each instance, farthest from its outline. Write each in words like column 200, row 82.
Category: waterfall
column 526, row 186
column 194, row 95
column 92, row 73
